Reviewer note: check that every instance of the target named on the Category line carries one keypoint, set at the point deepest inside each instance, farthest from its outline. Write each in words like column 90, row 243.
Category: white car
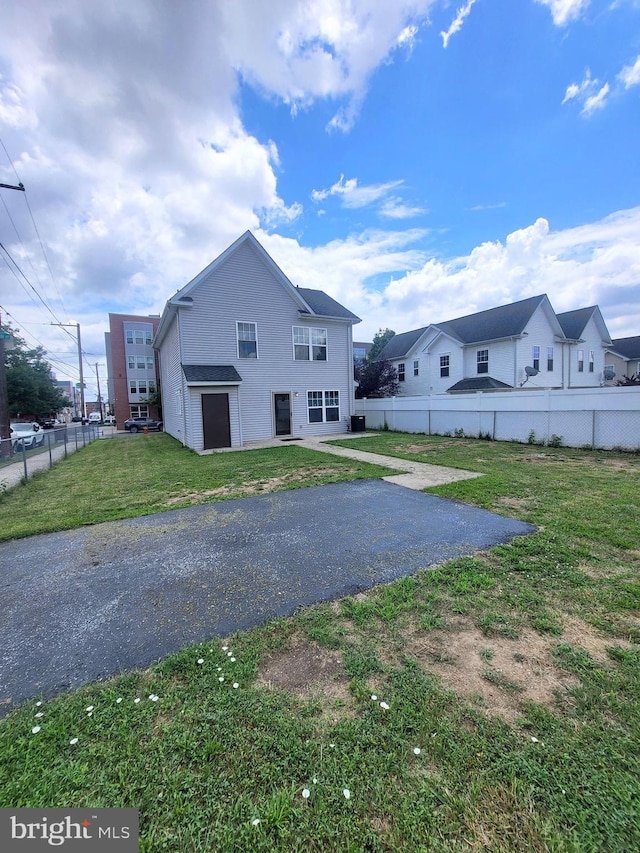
column 26, row 436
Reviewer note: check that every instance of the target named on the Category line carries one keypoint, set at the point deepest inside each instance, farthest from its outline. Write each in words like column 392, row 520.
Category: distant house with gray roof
column 510, row 346
column 245, row 355
column 623, row 357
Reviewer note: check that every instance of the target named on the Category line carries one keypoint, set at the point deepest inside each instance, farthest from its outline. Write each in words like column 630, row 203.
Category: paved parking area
column 85, row 604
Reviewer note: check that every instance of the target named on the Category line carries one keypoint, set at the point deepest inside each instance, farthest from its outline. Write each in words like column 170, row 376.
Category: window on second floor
column 416, row 367
column 444, row 364
column 247, row 340
column 401, row 372
column 309, row 344
column 580, row 361
column 536, row 358
column 482, row 360
column 549, row 358
column 592, row 360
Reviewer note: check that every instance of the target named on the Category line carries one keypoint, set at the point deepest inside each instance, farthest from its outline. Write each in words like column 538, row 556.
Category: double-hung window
column 416, row 367
column 309, row 344
column 580, row 361
column 483, row 360
column 444, row 365
column 323, row 406
column 536, row 358
column 549, row 359
column 592, row 359
column 401, row 372
column 247, row 340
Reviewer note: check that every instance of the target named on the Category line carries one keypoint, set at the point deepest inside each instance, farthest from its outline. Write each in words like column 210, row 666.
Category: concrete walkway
column 416, row 475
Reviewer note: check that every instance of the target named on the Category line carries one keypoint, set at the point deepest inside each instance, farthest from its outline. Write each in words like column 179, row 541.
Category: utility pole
column 76, row 326
column 5, row 425
column 99, row 394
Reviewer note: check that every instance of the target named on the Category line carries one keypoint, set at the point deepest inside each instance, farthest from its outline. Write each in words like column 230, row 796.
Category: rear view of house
column 244, row 355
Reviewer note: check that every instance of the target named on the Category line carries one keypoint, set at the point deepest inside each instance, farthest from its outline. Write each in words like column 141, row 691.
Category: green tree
column 380, row 340
column 31, row 385
column 376, row 379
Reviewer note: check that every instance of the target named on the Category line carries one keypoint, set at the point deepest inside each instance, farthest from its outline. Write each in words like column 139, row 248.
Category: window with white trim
column 323, row 406
column 401, row 372
column 416, row 367
column 536, row 358
column 139, row 411
column 549, row 358
column 247, row 340
column 309, row 344
column 580, row 361
column 444, row 364
column 132, row 362
column 482, row 360
column 592, row 360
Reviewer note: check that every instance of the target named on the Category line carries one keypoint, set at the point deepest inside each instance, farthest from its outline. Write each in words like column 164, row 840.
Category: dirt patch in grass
column 249, row 488
column 498, row 673
column 308, row 671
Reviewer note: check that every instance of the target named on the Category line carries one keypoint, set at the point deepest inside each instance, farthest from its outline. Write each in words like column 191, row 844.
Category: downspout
column 184, row 388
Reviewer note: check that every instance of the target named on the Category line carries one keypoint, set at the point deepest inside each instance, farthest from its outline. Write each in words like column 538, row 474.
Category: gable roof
column 575, row 322
column 628, row 348
column 505, row 321
column 304, row 298
column 399, row 345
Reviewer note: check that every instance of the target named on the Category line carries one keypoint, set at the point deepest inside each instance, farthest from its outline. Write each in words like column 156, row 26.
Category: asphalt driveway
column 83, row 605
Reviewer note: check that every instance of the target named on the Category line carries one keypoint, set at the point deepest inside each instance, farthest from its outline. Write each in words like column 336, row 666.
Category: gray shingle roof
column 494, row 323
column 574, row 322
column 399, row 345
column 323, row 304
column 627, row 347
column 479, row 383
column 211, row 373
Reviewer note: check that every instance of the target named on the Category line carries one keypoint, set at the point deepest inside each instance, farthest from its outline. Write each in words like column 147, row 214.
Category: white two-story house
column 245, row 355
column 523, row 343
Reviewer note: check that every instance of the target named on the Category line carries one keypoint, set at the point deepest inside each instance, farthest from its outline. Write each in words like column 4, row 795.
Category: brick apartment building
column 132, row 366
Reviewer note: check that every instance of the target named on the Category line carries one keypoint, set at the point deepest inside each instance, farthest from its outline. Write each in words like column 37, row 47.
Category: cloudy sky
column 417, row 159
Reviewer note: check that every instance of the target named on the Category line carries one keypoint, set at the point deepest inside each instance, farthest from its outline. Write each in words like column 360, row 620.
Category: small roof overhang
column 479, row 383
column 211, row 374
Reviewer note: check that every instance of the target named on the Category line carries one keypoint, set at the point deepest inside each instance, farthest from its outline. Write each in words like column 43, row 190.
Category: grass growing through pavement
column 506, row 684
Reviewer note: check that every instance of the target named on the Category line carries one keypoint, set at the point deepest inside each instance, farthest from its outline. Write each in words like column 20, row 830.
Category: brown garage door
column 215, row 421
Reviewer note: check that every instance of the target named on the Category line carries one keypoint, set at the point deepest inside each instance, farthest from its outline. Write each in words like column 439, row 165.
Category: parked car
column 110, row 420
column 138, row 424
column 48, row 423
column 78, row 419
column 95, row 418
column 26, row 436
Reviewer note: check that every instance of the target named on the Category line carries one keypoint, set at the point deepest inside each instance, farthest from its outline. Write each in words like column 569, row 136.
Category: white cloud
column 353, row 195
column 458, row 21
column 630, row 74
column 597, row 101
column 395, row 208
column 598, row 263
column 565, row 11
column 589, row 93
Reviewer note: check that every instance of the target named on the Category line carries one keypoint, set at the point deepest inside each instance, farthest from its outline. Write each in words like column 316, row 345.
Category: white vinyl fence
column 604, row 418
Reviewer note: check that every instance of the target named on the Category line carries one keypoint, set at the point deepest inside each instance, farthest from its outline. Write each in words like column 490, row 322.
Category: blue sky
column 418, row 160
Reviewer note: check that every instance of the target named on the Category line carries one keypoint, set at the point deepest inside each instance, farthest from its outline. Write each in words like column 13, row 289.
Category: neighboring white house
column 523, row 343
column 623, row 357
column 244, row 355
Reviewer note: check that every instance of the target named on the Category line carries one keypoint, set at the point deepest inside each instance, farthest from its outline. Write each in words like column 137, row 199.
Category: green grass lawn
column 507, row 684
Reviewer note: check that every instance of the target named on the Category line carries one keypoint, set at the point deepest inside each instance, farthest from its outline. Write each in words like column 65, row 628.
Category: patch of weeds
column 519, row 657
column 361, row 662
column 429, row 621
column 360, row 612
column 396, row 598
column 574, row 659
column 498, row 625
column 500, row 680
column 487, row 654
column 464, row 576
column 544, row 623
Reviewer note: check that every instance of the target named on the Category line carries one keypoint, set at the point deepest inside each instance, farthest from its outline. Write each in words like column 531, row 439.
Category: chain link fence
column 22, row 457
